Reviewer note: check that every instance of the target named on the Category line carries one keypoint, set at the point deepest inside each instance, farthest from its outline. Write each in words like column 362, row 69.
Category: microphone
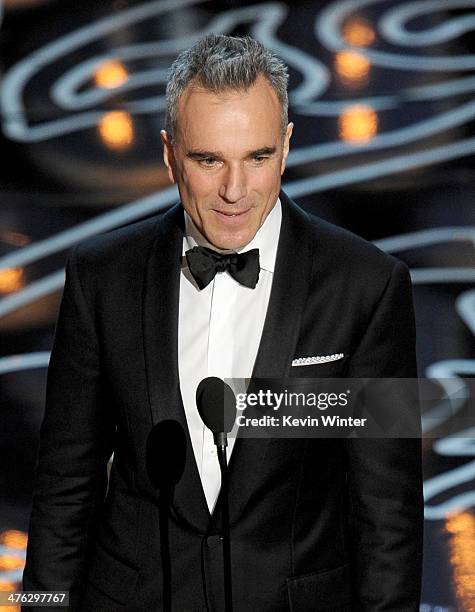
column 165, row 455
column 217, row 407
column 165, row 458
column 216, row 404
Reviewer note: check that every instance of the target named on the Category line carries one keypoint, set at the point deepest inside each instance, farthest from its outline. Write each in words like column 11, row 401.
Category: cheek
column 269, row 181
column 198, row 184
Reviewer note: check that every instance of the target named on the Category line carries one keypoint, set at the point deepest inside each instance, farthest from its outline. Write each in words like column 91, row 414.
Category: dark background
column 383, row 144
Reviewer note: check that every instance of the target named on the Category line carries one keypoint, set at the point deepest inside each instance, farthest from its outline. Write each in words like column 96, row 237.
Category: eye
column 259, row 159
column 209, row 162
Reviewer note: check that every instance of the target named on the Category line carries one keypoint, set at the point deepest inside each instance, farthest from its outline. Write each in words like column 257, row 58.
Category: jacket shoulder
column 347, row 251
column 124, row 248
column 120, row 242
column 337, row 248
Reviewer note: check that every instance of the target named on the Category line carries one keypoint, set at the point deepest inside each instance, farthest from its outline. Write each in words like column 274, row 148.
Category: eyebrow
column 199, row 154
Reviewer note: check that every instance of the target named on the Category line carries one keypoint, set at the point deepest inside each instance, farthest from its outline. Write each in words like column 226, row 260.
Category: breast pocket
column 329, row 369
column 326, row 590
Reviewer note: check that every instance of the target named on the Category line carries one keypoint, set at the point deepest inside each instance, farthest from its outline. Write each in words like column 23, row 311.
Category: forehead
column 238, row 118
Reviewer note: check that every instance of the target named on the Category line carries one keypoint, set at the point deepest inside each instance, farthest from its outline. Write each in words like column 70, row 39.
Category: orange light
column 14, row 539
column 352, row 66
column 358, row 33
column 358, row 124
column 461, row 528
column 6, row 585
column 10, row 562
column 13, row 4
column 110, row 74
column 116, row 130
column 15, row 238
column 11, row 280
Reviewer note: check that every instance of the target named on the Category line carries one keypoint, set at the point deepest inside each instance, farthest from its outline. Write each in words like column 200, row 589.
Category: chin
column 226, row 241
column 226, row 245
column 232, row 243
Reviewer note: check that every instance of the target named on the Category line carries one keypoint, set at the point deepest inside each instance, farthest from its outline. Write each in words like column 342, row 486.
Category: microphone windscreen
column 166, row 454
column 216, row 404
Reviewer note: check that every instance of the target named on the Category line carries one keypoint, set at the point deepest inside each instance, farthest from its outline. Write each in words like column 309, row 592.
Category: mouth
column 228, row 214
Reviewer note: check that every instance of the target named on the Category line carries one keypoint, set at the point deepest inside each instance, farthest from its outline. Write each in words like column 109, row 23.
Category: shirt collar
column 266, row 238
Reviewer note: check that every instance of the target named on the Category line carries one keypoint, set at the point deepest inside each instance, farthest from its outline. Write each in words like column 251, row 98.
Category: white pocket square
column 303, row 361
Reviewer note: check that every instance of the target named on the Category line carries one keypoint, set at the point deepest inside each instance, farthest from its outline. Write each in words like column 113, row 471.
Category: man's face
column 228, row 160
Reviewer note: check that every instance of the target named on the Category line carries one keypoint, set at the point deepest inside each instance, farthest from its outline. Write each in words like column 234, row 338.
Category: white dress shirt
column 219, row 331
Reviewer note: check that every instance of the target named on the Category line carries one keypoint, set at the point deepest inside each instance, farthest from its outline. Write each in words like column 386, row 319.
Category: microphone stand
column 221, row 443
column 216, row 405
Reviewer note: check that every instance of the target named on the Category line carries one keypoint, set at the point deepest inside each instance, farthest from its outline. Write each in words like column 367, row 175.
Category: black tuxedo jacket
column 316, row 524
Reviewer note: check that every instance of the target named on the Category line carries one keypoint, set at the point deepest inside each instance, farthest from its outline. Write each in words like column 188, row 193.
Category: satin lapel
column 277, row 345
column 160, row 331
column 289, row 294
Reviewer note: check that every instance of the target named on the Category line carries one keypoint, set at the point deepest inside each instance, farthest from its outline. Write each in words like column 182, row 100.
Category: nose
column 233, row 187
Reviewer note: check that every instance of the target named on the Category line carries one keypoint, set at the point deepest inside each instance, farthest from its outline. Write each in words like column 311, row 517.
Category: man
column 147, row 312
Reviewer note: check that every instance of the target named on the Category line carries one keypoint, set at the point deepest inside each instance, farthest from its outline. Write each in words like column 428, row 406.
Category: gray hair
column 219, row 63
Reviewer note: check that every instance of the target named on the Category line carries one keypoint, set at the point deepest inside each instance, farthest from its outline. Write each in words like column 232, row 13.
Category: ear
column 168, row 155
column 285, row 152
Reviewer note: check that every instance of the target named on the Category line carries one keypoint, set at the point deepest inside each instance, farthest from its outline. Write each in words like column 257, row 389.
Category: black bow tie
column 204, row 263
